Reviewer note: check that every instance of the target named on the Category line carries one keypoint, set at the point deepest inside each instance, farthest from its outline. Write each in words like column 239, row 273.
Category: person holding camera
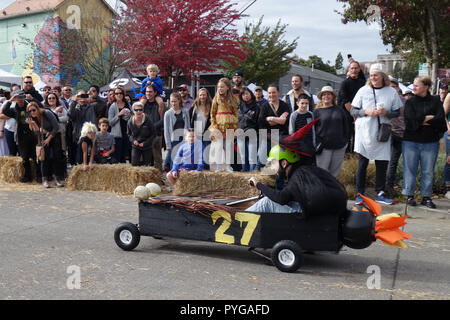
column 81, row 111
column 24, row 137
column 373, row 106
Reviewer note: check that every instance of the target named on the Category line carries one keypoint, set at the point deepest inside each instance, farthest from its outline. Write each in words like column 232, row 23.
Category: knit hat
column 376, row 67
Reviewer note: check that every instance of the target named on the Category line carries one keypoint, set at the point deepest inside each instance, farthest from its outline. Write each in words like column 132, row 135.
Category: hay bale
column 203, row 183
column 347, row 176
column 11, row 169
column 121, row 179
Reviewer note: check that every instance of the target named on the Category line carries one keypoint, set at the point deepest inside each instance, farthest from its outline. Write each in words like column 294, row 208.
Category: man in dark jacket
column 347, row 92
column 30, row 92
column 303, row 189
column 154, row 111
column 98, row 102
column 308, row 189
column 24, row 137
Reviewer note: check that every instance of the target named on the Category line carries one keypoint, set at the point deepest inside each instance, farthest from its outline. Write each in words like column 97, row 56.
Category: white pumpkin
column 141, row 193
column 154, row 189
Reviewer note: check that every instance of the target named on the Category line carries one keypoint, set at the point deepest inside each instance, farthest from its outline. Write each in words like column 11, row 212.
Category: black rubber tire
column 133, row 231
column 293, row 252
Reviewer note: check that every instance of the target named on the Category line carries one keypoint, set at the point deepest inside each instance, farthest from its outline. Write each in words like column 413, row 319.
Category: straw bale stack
column 120, row 179
column 203, row 183
column 11, row 169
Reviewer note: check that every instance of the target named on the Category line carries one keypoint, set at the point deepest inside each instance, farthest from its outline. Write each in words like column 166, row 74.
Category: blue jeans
column 426, row 154
column 122, row 146
column 267, row 205
column 447, row 166
column 247, row 148
column 168, row 162
column 9, row 136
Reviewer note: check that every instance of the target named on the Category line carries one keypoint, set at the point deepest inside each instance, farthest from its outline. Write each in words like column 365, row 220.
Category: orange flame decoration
column 387, row 227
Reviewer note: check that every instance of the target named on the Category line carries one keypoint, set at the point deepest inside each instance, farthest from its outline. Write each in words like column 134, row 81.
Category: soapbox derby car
column 288, row 236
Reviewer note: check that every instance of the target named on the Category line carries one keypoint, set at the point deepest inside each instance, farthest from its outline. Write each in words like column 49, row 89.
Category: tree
column 420, row 24
column 339, row 64
column 180, row 36
column 316, row 62
column 63, row 55
column 268, row 54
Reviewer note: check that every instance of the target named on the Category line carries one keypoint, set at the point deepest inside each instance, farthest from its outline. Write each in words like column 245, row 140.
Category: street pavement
column 47, row 236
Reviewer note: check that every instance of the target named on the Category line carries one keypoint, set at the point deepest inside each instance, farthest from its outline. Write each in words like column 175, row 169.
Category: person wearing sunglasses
column 188, row 101
column 141, row 133
column 118, row 115
column 30, row 92
column 80, row 112
column 53, row 103
column 15, row 108
column 44, row 124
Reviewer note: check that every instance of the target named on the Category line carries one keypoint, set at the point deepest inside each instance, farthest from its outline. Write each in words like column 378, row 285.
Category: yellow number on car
column 252, row 221
column 220, row 232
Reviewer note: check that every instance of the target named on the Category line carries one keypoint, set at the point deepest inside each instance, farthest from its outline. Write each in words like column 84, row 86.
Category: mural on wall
column 54, row 60
column 64, row 45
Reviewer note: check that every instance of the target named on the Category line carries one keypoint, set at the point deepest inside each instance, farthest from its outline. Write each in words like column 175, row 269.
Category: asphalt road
column 47, row 236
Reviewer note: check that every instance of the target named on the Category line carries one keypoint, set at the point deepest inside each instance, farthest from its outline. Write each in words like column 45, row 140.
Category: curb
column 418, row 212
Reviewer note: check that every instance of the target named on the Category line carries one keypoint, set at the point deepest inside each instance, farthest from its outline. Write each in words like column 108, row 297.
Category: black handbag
column 384, row 129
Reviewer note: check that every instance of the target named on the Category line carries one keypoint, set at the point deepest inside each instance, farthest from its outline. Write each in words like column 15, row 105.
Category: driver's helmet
column 280, row 153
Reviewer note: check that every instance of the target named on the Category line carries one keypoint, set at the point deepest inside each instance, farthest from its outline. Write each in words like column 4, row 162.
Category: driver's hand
column 253, row 182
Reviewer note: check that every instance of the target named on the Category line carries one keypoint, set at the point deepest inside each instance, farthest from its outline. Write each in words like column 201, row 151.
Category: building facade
column 25, row 26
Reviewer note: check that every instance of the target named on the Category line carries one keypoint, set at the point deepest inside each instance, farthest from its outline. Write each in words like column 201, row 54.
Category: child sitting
column 86, row 145
column 154, row 80
column 105, row 144
column 301, row 117
column 189, row 157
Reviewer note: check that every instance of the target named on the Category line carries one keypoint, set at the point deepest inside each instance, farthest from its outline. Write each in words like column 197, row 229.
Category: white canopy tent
column 7, row 78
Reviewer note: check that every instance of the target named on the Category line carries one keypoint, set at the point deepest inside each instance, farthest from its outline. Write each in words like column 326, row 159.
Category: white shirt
column 10, row 124
column 366, row 128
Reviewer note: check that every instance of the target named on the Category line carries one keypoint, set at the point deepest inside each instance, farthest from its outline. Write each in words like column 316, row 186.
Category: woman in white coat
column 374, row 103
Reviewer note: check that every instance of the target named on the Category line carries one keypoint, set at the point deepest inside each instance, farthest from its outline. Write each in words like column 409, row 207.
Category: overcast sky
column 315, row 22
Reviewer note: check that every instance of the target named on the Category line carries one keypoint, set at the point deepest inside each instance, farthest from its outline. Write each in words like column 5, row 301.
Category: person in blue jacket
column 189, row 157
column 152, row 79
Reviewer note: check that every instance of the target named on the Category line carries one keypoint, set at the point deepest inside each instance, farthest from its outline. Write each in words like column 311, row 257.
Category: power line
column 242, row 12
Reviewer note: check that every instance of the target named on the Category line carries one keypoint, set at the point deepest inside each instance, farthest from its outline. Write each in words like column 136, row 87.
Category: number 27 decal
column 251, row 219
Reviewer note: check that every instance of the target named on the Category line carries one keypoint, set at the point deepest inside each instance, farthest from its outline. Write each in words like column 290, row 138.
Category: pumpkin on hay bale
column 121, row 179
column 11, row 169
column 203, row 183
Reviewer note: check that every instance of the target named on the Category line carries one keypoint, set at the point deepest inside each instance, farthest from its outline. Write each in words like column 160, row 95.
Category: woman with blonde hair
column 45, row 126
column 200, row 116
column 176, row 121
column 332, row 132
column 224, row 121
column 141, row 133
column 86, row 145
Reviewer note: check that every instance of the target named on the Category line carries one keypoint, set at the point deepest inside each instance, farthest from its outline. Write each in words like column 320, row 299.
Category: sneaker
column 359, row 201
column 428, row 203
column 229, row 168
column 58, row 184
column 382, row 198
column 447, row 195
column 45, row 184
column 411, row 202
